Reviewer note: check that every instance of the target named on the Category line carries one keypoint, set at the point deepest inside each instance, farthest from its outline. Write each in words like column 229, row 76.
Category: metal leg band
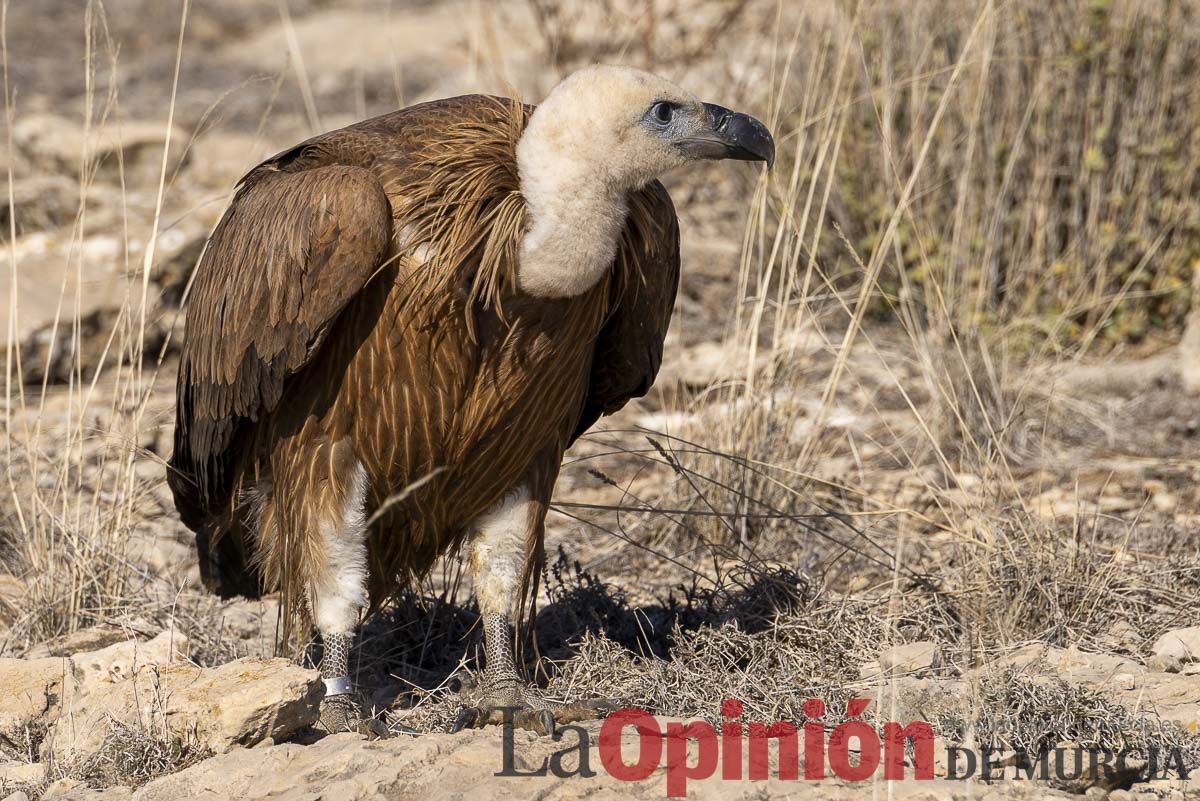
column 339, row 685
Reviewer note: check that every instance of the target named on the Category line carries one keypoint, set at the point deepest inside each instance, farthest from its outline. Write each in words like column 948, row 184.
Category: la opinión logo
column 742, row 750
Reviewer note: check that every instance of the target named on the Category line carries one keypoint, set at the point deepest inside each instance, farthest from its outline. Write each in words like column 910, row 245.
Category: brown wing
column 630, row 346
column 292, row 249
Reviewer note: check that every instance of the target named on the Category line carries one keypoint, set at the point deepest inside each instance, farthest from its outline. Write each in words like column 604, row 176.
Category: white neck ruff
column 575, row 221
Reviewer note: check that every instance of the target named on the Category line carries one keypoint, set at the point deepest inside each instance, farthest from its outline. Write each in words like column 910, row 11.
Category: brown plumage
column 320, row 329
column 398, row 328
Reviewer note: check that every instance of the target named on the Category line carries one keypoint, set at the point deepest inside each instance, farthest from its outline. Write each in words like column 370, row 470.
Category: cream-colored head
column 602, row 133
column 624, row 127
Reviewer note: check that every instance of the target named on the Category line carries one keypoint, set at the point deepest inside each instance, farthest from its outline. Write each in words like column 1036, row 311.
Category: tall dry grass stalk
column 1006, row 182
column 73, row 487
column 1007, row 186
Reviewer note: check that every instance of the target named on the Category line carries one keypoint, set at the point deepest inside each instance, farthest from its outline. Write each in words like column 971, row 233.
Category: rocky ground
column 107, row 723
column 783, row 518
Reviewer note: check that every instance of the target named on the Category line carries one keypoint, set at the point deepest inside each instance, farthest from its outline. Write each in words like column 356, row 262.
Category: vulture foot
column 340, row 713
column 504, row 691
column 528, row 710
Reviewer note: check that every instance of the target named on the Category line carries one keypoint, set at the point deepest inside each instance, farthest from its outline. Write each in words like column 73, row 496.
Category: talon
column 604, row 706
column 532, row 713
column 373, row 729
column 340, row 713
column 396, row 729
column 468, row 717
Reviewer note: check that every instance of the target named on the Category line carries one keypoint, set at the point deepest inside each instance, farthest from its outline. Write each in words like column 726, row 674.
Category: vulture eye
column 662, row 112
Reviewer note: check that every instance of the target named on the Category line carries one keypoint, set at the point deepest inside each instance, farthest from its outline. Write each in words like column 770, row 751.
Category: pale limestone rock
column 1124, row 681
column 56, row 142
column 707, row 363
column 81, row 641
column 22, row 773
column 911, row 658
column 241, row 703
column 120, row 661
column 33, row 692
column 253, row 700
column 1164, row 664
column 80, row 792
column 253, row 623
column 154, row 549
column 1182, row 644
column 30, row 690
column 101, row 680
column 870, row 671
column 1172, row 697
column 62, row 789
column 441, row 767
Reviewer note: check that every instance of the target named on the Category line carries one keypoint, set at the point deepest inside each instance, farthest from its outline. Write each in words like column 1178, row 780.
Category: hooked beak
column 730, row 135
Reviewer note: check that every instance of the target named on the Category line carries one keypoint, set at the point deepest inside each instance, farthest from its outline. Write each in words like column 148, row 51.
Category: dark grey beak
column 731, row 135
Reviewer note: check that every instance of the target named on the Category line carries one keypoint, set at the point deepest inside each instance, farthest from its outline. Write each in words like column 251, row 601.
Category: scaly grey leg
column 498, row 551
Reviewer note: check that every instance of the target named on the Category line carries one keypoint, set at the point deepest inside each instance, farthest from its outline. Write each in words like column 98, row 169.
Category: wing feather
column 290, row 252
column 630, row 346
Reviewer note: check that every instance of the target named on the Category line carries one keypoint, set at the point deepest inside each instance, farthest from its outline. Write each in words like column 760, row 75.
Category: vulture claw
column 467, row 717
column 530, row 712
column 339, row 713
column 373, row 729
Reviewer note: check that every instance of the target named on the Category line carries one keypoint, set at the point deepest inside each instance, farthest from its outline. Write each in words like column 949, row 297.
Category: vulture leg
column 501, row 546
column 337, row 587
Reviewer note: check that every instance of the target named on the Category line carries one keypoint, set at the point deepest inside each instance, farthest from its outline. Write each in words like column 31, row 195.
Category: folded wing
column 630, row 346
column 291, row 251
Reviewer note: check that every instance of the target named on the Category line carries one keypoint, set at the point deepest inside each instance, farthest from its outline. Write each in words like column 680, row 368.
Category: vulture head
column 601, row 133
column 626, row 127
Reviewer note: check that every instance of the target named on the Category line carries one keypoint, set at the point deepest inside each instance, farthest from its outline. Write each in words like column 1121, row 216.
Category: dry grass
column 73, row 488
column 131, row 756
column 1034, row 715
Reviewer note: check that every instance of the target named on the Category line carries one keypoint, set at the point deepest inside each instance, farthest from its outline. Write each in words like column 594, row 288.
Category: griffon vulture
column 396, row 330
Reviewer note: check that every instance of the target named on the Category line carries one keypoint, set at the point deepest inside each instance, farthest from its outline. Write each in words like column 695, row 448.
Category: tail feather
column 226, row 566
